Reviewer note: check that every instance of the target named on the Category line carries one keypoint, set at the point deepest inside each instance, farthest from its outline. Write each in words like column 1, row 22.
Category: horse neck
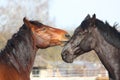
column 106, row 52
column 20, row 51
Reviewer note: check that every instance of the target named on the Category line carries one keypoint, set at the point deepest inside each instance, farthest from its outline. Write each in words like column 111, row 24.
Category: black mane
column 110, row 33
column 19, row 49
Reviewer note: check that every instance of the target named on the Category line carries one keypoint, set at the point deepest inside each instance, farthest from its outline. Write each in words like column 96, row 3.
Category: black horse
column 93, row 34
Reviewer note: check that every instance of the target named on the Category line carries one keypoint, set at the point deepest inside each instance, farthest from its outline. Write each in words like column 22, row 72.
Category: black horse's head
column 82, row 40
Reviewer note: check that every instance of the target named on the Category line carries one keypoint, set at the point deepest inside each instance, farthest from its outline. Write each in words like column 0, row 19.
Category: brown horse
column 16, row 59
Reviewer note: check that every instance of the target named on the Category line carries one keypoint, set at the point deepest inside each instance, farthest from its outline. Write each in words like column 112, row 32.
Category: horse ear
column 94, row 17
column 93, row 20
column 87, row 17
column 27, row 22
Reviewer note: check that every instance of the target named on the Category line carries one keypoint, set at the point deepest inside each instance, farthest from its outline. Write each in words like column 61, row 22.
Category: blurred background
column 63, row 14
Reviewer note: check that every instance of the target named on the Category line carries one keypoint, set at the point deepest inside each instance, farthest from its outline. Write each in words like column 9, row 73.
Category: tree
column 13, row 11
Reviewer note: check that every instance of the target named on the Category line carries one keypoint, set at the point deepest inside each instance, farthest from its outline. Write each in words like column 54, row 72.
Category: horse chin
column 43, row 47
column 63, row 43
column 58, row 43
column 68, row 60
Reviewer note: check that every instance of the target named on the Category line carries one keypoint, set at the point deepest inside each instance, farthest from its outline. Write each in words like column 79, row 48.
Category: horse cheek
column 84, row 45
column 93, row 44
column 42, row 43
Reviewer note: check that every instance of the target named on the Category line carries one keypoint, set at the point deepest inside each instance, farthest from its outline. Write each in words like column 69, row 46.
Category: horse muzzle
column 67, row 57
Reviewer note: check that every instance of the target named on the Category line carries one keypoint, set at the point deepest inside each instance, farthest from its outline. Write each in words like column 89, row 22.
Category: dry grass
column 102, row 78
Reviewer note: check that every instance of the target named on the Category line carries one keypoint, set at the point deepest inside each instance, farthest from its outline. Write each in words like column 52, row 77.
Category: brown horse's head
column 46, row 36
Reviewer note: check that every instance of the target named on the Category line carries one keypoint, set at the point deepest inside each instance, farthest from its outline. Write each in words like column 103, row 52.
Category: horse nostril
column 67, row 36
column 64, row 55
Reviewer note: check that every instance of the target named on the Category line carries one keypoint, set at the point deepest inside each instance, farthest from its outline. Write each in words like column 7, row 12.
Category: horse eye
column 43, row 29
column 80, row 33
column 83, row 32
